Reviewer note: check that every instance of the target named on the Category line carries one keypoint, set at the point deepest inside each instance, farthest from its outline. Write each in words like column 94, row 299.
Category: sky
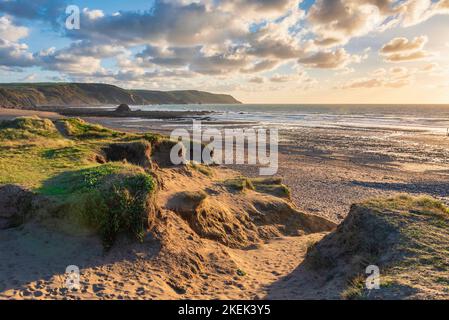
column 259, row 51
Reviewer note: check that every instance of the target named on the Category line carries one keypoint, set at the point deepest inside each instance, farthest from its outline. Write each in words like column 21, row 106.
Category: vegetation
column 27, row 128
column 270, row 185
column 60, row 161
column 239, row 184
column 79, row 129
column 201, row 168
column 405, row 236
column 113, row 203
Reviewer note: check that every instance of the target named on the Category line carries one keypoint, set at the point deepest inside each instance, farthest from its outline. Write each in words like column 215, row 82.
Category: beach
column 326, row 169
column 329, row 168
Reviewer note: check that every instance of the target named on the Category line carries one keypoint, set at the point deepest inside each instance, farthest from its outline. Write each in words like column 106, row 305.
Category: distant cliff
column 29, row 95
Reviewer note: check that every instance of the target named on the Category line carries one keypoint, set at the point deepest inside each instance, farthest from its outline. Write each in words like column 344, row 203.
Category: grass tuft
column 79, row 129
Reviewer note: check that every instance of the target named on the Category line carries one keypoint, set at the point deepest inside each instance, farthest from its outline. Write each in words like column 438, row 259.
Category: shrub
column 119, row 206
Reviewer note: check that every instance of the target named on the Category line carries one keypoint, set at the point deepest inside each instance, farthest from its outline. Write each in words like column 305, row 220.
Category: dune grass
column 79, row 129
column 418, row 259
column 110, row 198
column 269, row 185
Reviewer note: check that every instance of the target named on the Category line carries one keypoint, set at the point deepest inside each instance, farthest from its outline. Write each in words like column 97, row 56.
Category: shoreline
column 328, row 170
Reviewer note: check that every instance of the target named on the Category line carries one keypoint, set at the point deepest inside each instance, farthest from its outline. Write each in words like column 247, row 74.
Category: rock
column 15, row 204
column 123, row 108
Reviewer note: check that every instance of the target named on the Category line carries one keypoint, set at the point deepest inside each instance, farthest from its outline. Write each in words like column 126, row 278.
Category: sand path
column 129, row 271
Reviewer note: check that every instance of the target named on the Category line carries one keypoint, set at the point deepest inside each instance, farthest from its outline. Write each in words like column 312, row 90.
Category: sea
column 431, row 118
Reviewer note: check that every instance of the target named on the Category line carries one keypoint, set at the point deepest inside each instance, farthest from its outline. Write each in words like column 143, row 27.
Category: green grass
column 421, row 249
column 27, row 128
column 83, row 180
column 31, row 165
column 194, row 196
column 422, row 205
column 111, row 198
column 113, row 204
column 79, row 129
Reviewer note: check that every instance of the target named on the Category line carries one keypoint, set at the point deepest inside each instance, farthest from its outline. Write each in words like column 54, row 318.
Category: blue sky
column 286, row 51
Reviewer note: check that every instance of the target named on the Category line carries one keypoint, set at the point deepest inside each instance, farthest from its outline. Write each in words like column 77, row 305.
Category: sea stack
column 123, row 108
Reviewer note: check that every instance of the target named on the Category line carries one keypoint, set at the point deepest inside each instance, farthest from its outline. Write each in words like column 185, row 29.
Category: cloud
column 401, row 49
column 407, row 56
column 280, row 78
column 258, row 9
column 167, row 23
column 416, row 11
column 328, row 59
column 203, row 39
column 337, row 21
column 395, row 77
column 80, row 58
column 257, row 80
column 11, row 32
column 363, row 83
column 403, row 44
column 29, row 77
column 14, row 54
column 46, row 10
column 260, row 66
column 430, row 67
column 93, row 14
column 196, row 59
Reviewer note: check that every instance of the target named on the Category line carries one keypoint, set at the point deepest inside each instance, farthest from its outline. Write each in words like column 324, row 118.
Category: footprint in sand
column 98, row 287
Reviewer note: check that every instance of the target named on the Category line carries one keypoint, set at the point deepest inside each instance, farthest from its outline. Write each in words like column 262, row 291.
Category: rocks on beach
column 123, row 108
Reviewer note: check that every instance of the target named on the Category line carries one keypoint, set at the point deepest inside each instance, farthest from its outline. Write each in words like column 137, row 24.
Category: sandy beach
column 327, row 170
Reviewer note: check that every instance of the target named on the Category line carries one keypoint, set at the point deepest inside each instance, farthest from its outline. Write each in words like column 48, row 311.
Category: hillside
column 30, row 95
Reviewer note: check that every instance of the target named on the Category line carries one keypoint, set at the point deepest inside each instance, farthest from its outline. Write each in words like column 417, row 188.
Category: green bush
column 120, row 206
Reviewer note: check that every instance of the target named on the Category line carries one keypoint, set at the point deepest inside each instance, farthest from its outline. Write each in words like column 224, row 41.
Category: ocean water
column 431, row 118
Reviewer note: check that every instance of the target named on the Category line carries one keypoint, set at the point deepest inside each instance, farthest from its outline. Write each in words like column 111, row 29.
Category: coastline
column 177, row 260
column 329, row 169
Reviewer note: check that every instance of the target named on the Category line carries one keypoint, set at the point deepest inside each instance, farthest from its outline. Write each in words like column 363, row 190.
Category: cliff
column 31, row 95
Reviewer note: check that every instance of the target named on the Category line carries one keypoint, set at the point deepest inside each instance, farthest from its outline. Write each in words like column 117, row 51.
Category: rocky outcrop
column 123, row 108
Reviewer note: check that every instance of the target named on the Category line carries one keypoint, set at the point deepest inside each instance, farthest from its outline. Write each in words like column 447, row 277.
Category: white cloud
column 11, row 32
column 337, row 59
column 401, row 49
column 93, row 14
